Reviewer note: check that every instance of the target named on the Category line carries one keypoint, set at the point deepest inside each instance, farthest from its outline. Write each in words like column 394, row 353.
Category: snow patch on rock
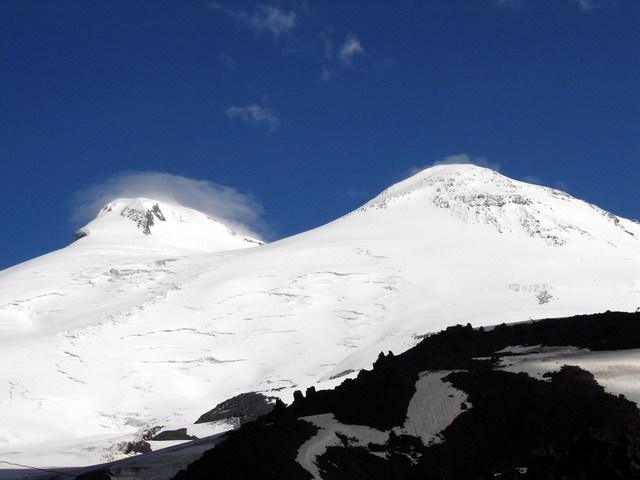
column 432, row 408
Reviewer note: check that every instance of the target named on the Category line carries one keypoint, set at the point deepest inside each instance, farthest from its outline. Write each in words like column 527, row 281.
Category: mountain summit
column 124, row 329
column 478, row 195
column 126, row 220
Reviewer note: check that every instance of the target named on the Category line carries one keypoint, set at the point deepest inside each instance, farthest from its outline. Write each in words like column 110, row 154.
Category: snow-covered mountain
column 126, row 247
column 121, row 223
column 159, row 313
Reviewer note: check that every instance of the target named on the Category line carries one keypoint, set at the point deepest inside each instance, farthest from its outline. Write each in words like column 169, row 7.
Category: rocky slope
column 383, row 424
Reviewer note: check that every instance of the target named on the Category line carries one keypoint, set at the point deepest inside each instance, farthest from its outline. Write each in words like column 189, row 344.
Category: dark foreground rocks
column 263, row 451
column 167, row 435
column 515, row 427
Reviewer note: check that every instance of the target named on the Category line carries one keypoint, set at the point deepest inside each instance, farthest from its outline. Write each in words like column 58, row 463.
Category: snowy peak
column 140, row 211
column 477, row 195
column 145, row 222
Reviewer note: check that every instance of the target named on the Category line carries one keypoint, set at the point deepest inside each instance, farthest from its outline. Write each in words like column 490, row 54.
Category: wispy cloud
column 507, row 2
column 350, row 49
column 255, row 114
column 342, row 58
column 294, row 27
column 532, row 179
column 284, row 21
column 459, row 158
column 326, row 75
column 584, row 5
column 239, row 211
column 589, row 5
column 263, row 18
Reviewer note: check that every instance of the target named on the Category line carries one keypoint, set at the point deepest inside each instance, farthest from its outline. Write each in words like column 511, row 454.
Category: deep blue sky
column 310, row 107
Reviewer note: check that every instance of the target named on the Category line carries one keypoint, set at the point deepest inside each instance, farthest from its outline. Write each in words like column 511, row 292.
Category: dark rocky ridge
column 241, row 409
column 179, row 434
column 568, row 427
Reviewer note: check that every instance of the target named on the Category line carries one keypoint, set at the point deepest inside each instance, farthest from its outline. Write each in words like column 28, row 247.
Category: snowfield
column 144, row 321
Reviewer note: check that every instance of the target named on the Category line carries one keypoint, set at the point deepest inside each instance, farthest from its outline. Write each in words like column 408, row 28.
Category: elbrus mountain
column 157, row 313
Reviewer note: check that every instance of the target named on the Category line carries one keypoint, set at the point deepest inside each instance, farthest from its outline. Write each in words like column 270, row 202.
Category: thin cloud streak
column 286, row 27
column 264, row 18
column 343, row 58
column 254, row 114
column 584, row 5
column 590, row 5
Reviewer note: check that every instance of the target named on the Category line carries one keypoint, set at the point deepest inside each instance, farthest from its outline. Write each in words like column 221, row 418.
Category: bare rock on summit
column 144, row 219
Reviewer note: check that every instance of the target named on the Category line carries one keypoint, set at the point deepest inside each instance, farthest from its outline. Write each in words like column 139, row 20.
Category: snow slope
column 130, row 245
column 125, row 329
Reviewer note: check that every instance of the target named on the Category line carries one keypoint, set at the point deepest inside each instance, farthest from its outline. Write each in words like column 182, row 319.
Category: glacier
column 142, row 323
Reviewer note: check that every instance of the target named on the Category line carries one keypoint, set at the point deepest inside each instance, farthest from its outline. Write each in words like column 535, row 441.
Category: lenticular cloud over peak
column 239, row 211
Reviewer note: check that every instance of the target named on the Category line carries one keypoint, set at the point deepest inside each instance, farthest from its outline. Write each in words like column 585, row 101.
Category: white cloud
column 584, row 5
column 282, row 19
column 589, row 5
column 255, row 114
column 460, row 158
column 264, row 18
column 239, row 211
column 341, row 58
column 272, row 19
column 350, row 49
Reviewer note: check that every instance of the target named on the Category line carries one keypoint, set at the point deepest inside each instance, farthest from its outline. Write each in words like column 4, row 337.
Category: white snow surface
column 162, row 464
column 432, row 408
column 124, row 329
